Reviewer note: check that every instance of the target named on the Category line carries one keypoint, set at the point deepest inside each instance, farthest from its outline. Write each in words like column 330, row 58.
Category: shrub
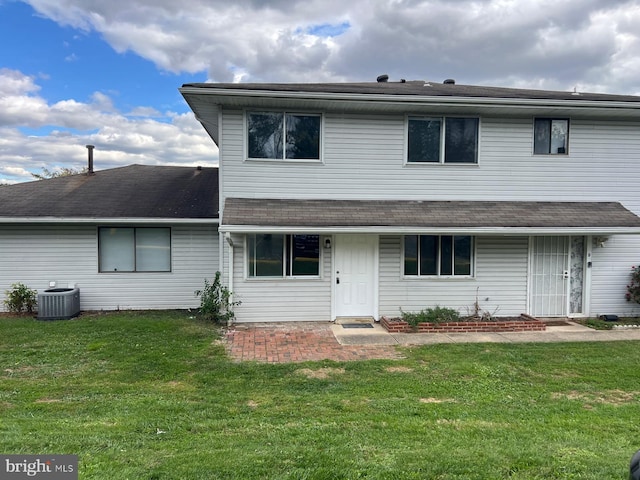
column 20, row 298
column 215, row 301
column 431, row 315
column 633, row 289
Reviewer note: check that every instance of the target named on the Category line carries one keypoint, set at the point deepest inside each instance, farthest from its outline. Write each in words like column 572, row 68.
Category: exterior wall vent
column 59, row 303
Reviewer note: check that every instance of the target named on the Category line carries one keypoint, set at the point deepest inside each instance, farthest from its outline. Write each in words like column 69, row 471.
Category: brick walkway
column 297, row 342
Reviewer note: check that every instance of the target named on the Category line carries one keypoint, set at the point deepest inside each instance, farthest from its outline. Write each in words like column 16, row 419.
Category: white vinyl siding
column 610, row 275
column 37, row 255
column 500, row 284
column 280, row 300
column 364, row 159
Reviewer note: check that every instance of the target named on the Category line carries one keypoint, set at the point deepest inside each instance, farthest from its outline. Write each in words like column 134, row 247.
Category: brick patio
column 297, row 342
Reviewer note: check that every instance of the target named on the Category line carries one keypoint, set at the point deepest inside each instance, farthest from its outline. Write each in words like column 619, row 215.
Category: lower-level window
column 272, row 255
column 129, row 249
column 438, row 255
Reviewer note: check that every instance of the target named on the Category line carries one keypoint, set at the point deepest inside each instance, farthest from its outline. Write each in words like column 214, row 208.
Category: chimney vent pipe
column 90, row 165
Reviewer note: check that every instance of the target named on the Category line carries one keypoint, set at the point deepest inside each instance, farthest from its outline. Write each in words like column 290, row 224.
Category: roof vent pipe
column 90, row 153
column 449, row 81
column 382, row 78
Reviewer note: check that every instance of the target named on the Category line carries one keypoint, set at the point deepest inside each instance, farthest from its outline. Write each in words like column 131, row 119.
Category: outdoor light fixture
column 327, row 242
column 600, row 241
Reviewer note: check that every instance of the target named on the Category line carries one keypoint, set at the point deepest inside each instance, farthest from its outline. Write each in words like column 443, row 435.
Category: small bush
column 633, row 289
column 431, row 315
column 20, row 298
column 215, row 301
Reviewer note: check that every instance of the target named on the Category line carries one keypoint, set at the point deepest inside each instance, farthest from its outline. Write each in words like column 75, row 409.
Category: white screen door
column 549, row 276
column 355, row 275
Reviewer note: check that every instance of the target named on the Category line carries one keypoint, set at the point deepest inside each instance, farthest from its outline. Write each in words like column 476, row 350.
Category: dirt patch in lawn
column 399, row 369
column 437, row 400
column 321, row 373
column 610, row 397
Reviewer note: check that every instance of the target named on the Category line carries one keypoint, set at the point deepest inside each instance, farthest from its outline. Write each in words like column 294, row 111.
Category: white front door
column 549, row 276
column 355, row 276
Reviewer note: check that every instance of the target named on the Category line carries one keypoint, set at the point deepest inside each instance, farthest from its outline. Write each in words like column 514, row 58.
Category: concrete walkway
column 572, row 332
column 301, row 342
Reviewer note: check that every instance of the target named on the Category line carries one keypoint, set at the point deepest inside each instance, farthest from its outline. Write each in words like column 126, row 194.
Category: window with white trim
column 273, row 255
column 442, row 140
column 132, row 249
column 551, row 136
column 283, row 136
column 438, row 255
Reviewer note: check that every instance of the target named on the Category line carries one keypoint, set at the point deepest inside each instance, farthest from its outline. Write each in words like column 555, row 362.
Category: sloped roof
column 454, row 216
column 416, row 88
column 135, row 191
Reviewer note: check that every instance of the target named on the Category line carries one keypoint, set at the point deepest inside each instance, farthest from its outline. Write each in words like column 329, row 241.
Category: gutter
column 407, row 230
column 437, row 100
column 104, row 220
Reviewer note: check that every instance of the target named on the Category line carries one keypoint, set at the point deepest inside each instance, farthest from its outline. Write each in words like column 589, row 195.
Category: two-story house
column 361, row 199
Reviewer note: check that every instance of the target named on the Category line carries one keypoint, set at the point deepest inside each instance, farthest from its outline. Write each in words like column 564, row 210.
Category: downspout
column 227, row 237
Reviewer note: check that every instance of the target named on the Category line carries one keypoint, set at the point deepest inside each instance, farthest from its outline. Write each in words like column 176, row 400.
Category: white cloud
column 15, row 83
column 556, row 43
column 549, row 44
column 69, row 125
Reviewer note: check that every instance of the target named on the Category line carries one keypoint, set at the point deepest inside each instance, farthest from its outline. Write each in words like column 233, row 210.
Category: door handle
column 338, row 280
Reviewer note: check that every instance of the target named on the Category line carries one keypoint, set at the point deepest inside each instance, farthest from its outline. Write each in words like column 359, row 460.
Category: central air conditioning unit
column 59, row 303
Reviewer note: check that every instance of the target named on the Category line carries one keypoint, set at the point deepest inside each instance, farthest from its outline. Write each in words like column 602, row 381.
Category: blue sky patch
column 328, row 29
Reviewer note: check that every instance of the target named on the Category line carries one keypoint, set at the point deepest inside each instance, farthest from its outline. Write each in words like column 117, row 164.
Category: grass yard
column 153, row 396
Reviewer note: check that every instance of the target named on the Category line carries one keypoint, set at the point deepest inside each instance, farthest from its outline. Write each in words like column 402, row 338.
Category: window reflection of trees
column 461, row 140
column 278, row 136
column 265, row 134
column 303, row 136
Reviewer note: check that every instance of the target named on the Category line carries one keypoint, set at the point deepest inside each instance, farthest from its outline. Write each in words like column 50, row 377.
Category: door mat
column 357, row 325
column 556, row 323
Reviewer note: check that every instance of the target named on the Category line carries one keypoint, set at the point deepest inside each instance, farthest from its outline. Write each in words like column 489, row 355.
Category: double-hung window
column 283, row 136
column 272, row 255
column 438, row 255
column 128, row 249
column 442, row 140
column 550, row 136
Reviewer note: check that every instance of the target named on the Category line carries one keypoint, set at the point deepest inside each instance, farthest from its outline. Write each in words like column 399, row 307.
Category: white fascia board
column 110, row 220
column 435, row 100
column 502, row 231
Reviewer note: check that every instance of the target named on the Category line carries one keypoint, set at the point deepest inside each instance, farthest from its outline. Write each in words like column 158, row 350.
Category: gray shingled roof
column 416, row 88
column 136, row 191
column 426, row 214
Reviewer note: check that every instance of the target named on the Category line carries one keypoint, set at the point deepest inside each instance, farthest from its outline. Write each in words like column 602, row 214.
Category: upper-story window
column 283, row 136
column 550, row 136
column 442, row 140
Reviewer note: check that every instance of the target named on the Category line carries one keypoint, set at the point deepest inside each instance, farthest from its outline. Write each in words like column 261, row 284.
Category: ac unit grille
column 59, row 303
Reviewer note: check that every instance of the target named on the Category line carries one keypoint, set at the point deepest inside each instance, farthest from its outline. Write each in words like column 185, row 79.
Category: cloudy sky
column 107, row 73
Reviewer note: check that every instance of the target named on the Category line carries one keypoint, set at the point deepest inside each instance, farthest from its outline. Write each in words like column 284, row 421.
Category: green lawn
column 153, row 396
